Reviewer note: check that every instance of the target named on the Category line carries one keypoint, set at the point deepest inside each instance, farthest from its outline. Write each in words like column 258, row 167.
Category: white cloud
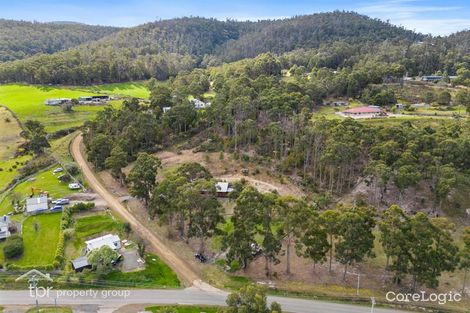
column 418, row 15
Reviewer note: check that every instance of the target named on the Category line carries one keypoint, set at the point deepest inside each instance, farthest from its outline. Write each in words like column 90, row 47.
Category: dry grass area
column 10, row 134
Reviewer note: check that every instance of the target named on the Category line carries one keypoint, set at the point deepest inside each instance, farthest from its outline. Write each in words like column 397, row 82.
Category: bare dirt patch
column 228, row 169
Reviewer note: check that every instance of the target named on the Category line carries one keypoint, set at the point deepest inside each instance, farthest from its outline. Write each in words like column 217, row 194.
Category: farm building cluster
column 101, row 99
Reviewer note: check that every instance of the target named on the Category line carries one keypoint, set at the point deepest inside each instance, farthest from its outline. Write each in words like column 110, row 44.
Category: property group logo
column 38, row 292
column 33, row 277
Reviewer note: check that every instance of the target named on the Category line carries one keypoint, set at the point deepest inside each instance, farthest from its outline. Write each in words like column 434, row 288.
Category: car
column 62, row 201
column 57, row 170
column 75, row 186
column 57, row 208
column 200, row 257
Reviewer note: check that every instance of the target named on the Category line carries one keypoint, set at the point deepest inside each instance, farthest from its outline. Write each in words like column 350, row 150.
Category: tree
column 355, row 237
column 431, row 249
column 465, row 255
column 330, row 220
column 160, row 96
column 98, row 150
column 116, row 161
column 103, row 259
column 36, row 135
column 205, row 210
column 13, row 247
column 462, row 97
column 67, row 107
column 245, row 218
column 394, row 230
column 292, row 213
column 142, row 177
column 313, row 241
column 444, row 98
column 428, row 97
column 250, row 299
column 271, row 243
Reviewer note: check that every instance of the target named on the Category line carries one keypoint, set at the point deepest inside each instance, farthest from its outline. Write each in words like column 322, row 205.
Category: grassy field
column 183, row 309
column 40, row 245
column 155, row 275
column 92, row 226
column 138, row 90
column 27, row 102
column 44, row 180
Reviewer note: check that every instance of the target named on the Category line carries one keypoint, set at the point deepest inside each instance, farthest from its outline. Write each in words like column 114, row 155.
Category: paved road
column 180, row 267
column 191, row 295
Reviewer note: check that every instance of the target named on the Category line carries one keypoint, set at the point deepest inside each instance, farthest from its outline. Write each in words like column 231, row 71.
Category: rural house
column 223, row 189
column 198, row 104
column 364, row 112
column 109, row 240
column 4, row 227
column 37, row 205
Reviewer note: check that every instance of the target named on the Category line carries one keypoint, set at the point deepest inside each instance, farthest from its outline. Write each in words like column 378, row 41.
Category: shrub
column 82, row 206
column 72, row 169
column 14, row 247
column 234, row 266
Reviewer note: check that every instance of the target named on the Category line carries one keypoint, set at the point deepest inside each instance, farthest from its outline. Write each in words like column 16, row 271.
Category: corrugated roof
column 363, row 110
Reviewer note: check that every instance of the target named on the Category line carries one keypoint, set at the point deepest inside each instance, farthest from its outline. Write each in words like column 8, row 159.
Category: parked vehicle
column 62, row 201
column 200, row 257
column 58, row 170
column 57, row 208
column 75, row 186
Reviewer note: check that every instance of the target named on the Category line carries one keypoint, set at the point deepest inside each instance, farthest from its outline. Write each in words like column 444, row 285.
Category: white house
column 109, row 240
column 199, row 105
column 223, row 189
column 57, row 101
column 37, row 205
column 4, row 227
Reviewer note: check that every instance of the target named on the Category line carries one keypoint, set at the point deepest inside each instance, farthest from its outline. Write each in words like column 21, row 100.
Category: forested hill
column 20, row 39
column 164, row 48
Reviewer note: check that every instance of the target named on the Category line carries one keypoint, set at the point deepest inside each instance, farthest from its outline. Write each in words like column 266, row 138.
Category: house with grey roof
column 79, row 264
column 37, row 205
column 109, row 240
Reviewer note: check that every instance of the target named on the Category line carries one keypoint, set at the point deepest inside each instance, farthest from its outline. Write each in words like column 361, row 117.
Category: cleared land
column 28, row 104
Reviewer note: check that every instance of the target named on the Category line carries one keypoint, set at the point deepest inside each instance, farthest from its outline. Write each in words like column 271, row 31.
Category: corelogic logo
column 440, row 298
column 33, row 277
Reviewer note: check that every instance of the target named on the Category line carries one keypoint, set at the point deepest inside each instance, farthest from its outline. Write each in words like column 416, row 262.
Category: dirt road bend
column 179, row 266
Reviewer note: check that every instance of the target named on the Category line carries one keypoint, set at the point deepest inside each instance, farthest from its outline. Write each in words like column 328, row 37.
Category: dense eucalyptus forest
column 164, row 48
column 21, row 39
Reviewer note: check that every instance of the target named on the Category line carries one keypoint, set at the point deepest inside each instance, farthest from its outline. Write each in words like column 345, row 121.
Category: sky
column 436, row 17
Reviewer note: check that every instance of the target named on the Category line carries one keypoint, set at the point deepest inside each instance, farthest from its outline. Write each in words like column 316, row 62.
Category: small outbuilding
column 79, row 264
column 37, row 205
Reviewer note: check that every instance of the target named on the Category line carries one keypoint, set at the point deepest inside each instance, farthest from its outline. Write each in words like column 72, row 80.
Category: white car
column 58, row 170
column 75, row 186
